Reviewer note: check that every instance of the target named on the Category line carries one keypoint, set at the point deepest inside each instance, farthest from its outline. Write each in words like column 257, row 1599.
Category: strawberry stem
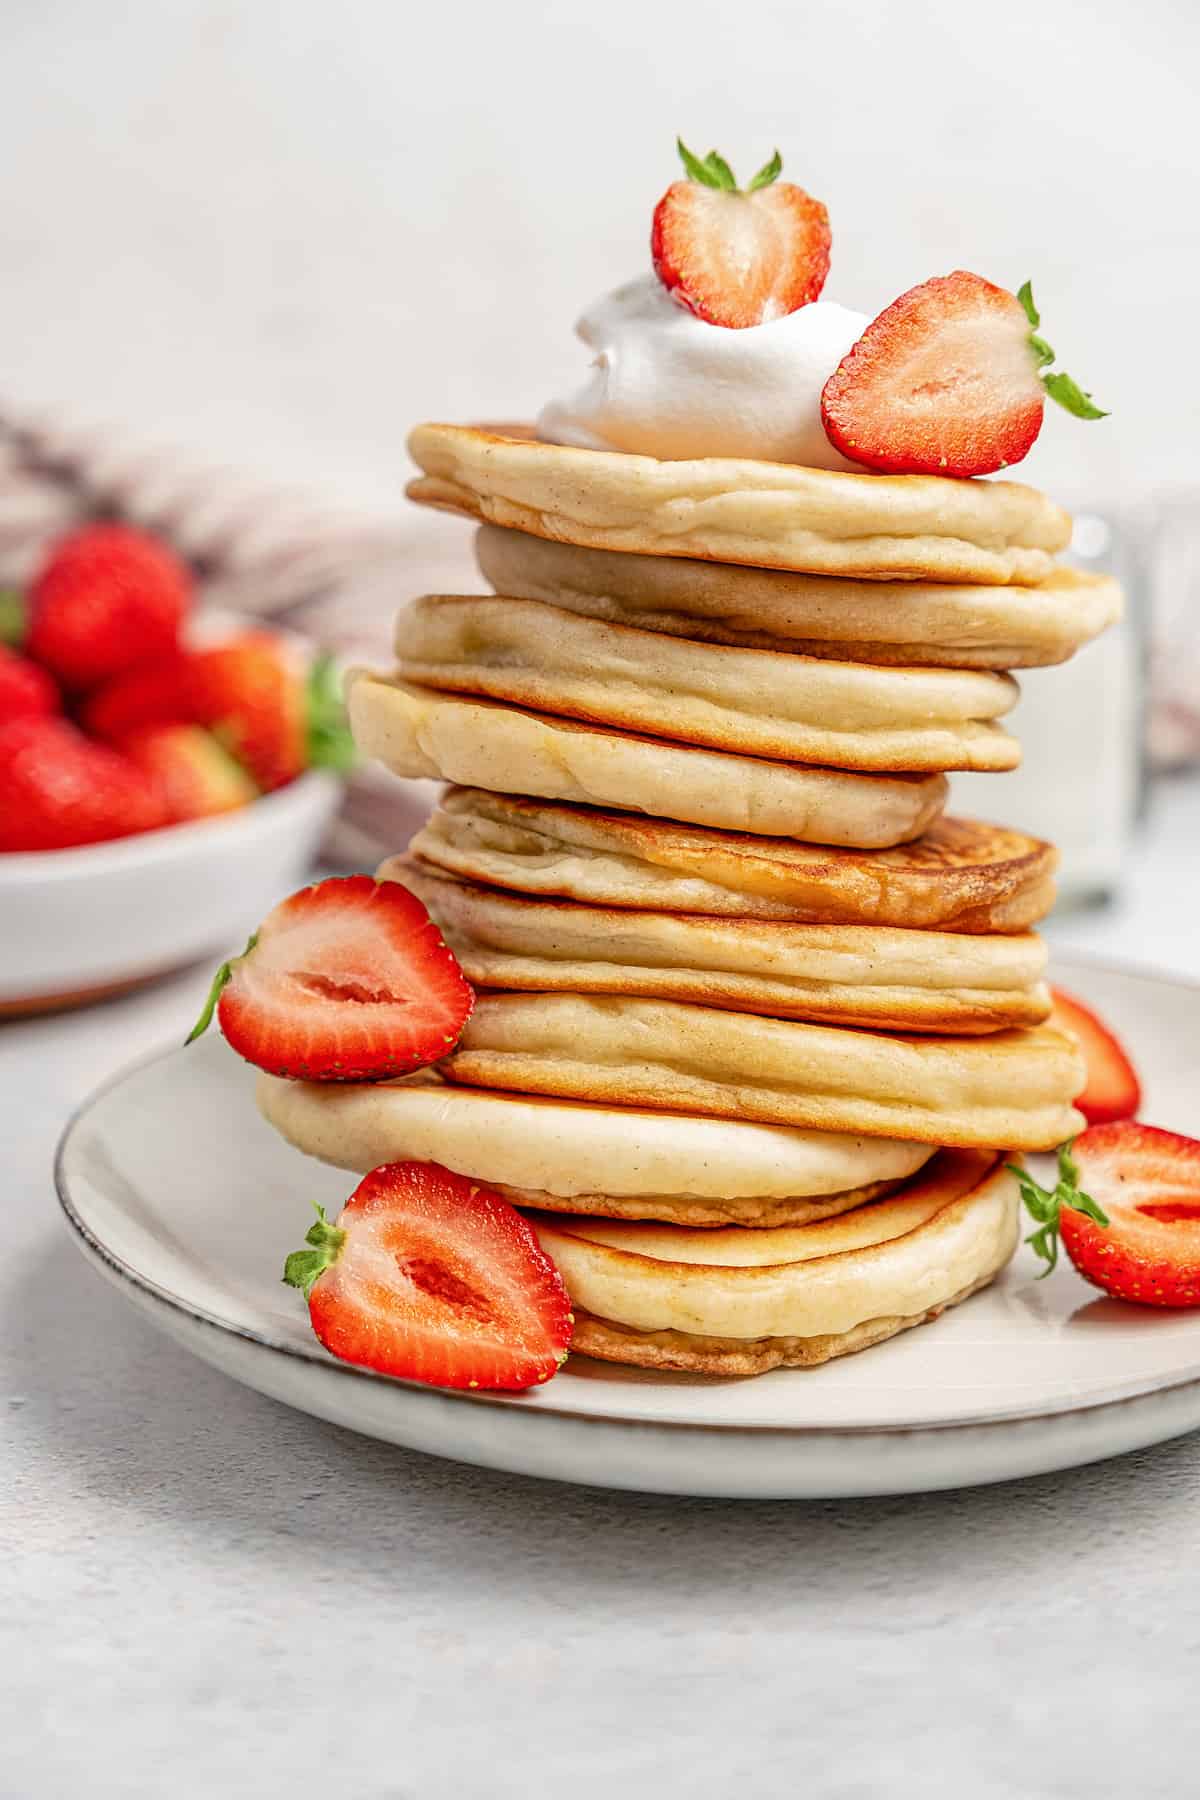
column 13, row 617
column 1058, row 384
column 302, row 1267
column 219, row 982
column 1044, row 1205
column 328, row 741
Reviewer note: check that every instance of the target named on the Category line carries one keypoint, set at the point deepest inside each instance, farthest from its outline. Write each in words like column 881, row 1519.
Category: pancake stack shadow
column 757, row 1025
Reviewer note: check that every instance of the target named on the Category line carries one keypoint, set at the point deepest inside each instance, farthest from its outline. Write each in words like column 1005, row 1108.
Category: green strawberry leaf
column 1070, row 395
column 769, row 172
column 302, row 1267
column 1025, row 296
column 1044, row 1205
column 219, row 982
column 698, row 170
column 725, row 177
column 328, row 740
column 1058, row 385
column 14, row 617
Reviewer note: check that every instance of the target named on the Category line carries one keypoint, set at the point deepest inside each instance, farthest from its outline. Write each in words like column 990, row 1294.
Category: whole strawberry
column 275, row 714
column 107, row 598
column 26, row 692
column 57, row 789
column 153, row 693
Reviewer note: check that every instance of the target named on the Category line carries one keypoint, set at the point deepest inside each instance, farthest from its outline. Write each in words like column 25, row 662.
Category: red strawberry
column 1128, row 1206
column 345, row 981
column 155, row 693
column 1112, row 1090
column 108, row 597
column 26, row 691
column 739, row 258
column 947, row 381
column 57, row 788
column 195, row 776
column 432, row 1277
column 276, row 716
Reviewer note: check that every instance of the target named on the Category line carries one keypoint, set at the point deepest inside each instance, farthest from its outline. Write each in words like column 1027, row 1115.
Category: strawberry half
column 1113, row 1090
column 1128, row 1208
column 349, row 980
column 948, row 380
column 739, row 258
column 429, row 1276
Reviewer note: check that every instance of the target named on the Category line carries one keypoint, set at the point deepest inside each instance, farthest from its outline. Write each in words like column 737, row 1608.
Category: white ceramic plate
column 180, row 1194
column 78, row 923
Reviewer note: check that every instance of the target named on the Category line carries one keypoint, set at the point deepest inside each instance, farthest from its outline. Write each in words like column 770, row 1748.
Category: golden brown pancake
column 797, row 709
column 556, row 1154
column 870, row 975
column 738, row 1302
column 418, row 731
column 961, row 875
column 1013, row 1087
column 911, row 624
column 769, row 515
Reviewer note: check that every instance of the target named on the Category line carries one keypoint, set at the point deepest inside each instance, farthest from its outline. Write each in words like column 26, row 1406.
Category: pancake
column 418, row 731
column 932, row 981
column 1014, row 1087
column 717, row 509
column 559, row 1155
column 749, row 702
column 737, row 1302
column 909, row 623
column 961, row 875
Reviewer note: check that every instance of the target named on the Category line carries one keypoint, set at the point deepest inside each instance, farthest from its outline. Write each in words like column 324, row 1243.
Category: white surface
column 304, row 226
column 205, row 1592
column 1031, row 1375
column 72, row 920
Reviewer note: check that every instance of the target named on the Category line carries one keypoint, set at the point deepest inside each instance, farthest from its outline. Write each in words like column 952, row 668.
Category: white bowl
column 77, row 924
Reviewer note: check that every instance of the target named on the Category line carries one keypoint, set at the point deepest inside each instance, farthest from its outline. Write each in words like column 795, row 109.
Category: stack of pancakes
column 757, row 1026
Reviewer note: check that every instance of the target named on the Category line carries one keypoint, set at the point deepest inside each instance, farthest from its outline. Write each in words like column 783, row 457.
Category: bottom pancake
column 740, row 1302
column 687, row 1353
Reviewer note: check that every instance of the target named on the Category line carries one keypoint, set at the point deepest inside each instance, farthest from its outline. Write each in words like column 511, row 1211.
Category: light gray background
column 281, row 232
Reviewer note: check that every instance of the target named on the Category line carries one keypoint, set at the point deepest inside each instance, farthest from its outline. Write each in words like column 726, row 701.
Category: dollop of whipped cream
column 665, row 383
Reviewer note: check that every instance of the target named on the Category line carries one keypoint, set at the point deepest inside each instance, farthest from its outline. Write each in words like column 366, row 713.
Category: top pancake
column 767, row 515
column 899, row 623
column 961, row 875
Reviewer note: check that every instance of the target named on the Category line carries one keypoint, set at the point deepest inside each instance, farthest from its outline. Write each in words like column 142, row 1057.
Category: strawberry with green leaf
column 431, row 1277
column 739, row 257
column 1126, row 1205
column 950, row 379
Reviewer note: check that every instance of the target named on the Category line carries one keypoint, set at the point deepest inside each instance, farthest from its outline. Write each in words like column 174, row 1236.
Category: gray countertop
column 204, row 1593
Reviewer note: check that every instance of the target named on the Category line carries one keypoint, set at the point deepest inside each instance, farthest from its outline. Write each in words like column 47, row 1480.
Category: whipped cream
column 665, row 383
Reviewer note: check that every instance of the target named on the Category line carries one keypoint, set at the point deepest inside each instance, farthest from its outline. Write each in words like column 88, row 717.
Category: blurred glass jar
column 1081, row 728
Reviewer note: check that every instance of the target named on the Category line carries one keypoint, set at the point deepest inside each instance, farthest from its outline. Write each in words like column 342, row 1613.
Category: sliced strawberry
column 154, row 693
column 948, row 380
column 431, row 1277
column 1113, row 1090
column 196, row 776
column 739, row 258
column 1128, row 1206
column 349, row 980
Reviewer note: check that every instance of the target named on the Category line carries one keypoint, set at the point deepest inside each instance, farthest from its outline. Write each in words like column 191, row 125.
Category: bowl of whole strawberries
column 158, row 786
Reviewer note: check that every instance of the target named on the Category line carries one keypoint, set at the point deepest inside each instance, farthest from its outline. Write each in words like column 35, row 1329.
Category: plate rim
column 548, row 1410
